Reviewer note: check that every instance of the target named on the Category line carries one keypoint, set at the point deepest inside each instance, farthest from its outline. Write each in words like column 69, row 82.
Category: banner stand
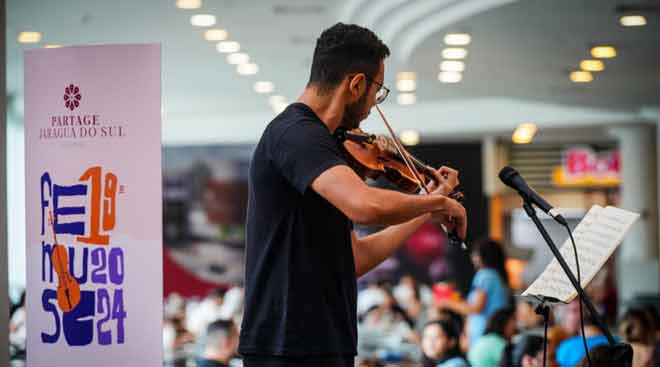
column 94, row 279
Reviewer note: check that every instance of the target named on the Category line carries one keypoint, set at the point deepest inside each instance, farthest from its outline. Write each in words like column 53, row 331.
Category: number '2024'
column 99, row 312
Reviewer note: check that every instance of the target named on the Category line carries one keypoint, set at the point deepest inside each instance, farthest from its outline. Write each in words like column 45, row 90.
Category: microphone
column 512, row 178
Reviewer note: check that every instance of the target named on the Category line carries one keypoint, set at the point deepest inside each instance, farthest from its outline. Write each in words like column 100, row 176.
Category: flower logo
column 72, row 97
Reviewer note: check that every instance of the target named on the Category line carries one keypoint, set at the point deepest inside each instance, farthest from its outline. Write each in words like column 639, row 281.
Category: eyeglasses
column 382, row 92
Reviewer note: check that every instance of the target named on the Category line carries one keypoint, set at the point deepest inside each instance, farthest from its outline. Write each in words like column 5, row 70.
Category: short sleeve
column 483, row 280
column 304, row 151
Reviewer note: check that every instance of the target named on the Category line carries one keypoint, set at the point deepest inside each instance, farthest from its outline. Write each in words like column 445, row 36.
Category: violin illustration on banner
column 68, row 289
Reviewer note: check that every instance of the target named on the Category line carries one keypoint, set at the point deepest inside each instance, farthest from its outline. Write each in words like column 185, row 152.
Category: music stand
column 622, row 352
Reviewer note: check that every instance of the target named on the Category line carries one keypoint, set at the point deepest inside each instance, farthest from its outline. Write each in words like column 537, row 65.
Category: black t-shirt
column 300, row 285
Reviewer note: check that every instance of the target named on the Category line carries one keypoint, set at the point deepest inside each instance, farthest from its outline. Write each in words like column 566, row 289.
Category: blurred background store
column 567, row 92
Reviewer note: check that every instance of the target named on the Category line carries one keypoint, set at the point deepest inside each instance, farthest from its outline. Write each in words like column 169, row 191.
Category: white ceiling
column 517, row 68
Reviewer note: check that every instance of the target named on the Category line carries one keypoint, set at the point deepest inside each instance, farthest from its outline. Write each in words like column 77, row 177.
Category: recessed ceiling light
column 457, row 39
column 264, row 87
column 406, row 99
column 228, row 46
column 216, row 34
column 581, row 77
column 603, row 52
column 405, row 81
column 188, row 4
column 632, row 20
column 247, row 69
column 450, row 77
column 29, row 37
column 238, row 58
column 409, row 137
column 454, row 53
column 592, row 65
column 457, row 66
column 406, row 75
column 524, row 133
column 406, row 85
column 52, row 45
column 202, row 20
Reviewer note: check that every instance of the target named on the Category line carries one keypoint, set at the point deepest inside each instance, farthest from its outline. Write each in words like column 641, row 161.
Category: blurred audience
column 654, row 315
column 17, row 327
column 208, row 310
column 638, row 329
column 181, row 345
column 220, row 344
column 389, row 319
column 489, row 349
column 571, row 351
column 489, row 292
column 408, row 294
column 413, row 324
column 176, row 338
column 555, row 337
column 369, row 297
column 528, row 320
column 440, row 344
column 526, row 352
column 566, row 325
column 600, row 356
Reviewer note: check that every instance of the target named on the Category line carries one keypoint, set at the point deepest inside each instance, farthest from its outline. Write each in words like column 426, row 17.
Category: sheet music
column 596, row 237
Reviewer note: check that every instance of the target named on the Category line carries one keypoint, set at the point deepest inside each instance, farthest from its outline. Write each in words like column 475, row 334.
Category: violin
column 68, row 289
column 372, row 156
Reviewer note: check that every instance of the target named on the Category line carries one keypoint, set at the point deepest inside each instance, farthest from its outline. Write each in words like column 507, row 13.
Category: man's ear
column 356, row 86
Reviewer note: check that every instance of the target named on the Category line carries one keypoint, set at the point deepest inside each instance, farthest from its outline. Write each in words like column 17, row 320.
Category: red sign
column 582, row 167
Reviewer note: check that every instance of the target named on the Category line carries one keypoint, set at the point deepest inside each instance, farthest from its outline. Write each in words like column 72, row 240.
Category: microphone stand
column 622, row 353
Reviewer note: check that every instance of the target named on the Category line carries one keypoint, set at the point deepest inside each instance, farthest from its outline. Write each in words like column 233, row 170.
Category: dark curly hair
column 343, row 49
column 635, row 326
column 452, row 330
column 497, row 321
column 527, row 345
column 492, row 256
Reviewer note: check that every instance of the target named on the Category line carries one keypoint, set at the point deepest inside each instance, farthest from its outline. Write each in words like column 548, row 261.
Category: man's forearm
column 371, row 250
column 390, row 207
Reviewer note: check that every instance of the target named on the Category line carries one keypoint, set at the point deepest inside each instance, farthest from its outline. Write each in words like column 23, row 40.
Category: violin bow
column 402, row 152
column 407, row 159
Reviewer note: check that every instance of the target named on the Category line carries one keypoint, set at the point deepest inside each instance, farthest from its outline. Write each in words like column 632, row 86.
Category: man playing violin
column 302, row 256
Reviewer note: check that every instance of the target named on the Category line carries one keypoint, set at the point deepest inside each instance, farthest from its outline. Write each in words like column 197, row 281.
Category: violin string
column 420, row 163
column 401, row 150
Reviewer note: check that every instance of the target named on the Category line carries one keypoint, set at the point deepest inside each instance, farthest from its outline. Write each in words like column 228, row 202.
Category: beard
column 353, row 114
